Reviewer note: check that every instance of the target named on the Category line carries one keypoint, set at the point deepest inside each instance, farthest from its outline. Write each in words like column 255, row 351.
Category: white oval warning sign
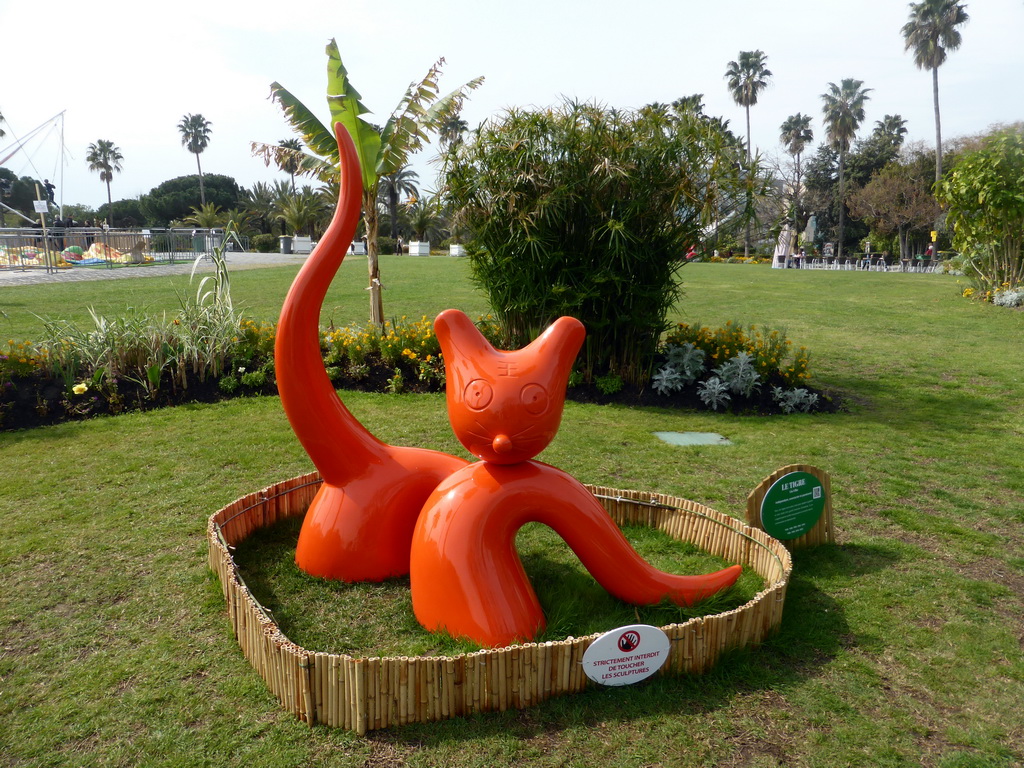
column 626, row 655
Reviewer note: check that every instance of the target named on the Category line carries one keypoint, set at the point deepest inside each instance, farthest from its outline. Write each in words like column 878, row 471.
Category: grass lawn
column 414, row 286
column 901, row 646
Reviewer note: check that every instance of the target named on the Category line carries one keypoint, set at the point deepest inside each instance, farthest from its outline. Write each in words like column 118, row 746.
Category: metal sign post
column 42, row 207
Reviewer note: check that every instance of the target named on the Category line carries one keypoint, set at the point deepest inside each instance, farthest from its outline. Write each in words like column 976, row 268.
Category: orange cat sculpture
column 359, row 526
column 384, row 511
column 505, row 407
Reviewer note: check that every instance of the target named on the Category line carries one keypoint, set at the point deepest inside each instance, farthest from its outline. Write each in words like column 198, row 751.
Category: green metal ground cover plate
column 693, row 438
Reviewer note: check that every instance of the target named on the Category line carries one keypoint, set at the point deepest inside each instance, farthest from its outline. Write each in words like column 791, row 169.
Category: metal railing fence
column 30, row 247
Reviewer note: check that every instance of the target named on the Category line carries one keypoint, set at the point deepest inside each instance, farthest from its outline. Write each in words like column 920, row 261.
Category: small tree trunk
column 839, row 251
column 938, row 125
column 746, row 239
column 393, row 210
column 940, row 218
column 372, row 263
column 796, row 203
column 202, row 191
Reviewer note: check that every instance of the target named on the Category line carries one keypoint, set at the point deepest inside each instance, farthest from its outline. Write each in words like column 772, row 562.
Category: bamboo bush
column 586, row 211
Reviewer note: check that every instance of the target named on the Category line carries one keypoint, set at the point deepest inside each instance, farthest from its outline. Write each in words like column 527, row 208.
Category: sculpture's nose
column 501, row 444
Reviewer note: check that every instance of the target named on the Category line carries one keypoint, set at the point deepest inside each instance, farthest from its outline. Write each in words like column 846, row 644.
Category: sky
column 129, row 71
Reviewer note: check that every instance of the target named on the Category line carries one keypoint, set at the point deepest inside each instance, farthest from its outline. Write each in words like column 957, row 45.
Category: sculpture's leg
column 362, row 531
column 466, row 575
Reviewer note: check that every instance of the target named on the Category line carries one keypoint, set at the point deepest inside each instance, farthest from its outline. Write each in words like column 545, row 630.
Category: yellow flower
column 80, row 388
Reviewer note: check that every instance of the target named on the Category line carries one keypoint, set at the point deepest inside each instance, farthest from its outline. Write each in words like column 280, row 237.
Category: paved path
column 236, row 261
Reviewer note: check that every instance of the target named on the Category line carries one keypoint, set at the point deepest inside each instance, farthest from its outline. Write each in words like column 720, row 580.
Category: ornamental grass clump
column 151, row 351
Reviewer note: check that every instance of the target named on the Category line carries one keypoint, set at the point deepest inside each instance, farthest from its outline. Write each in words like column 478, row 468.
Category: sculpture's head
column 505, row 407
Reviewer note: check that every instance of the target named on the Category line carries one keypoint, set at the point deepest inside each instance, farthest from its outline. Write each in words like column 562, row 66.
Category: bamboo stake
column 360, row 695
column 460, row 685
column 403, row 692
column 334, row 717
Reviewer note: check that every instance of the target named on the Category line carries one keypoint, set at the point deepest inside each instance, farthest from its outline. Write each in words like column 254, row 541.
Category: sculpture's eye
column 478, row 394
column 534, row 398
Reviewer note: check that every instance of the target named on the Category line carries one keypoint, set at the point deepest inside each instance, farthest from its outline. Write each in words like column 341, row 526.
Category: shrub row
column 137, row 363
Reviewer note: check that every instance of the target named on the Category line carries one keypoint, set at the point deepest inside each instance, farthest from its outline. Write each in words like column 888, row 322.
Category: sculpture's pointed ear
column 455, row 331
column 561, row 341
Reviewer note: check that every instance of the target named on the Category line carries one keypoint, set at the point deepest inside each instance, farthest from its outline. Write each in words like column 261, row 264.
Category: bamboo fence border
column 823, row 532
column 368, row 693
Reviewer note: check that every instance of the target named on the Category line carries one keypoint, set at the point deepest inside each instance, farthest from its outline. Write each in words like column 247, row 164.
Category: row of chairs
column 874, row 264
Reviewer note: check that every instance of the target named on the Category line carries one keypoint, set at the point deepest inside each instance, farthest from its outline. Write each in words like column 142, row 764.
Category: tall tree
column 747, row 77
column 381, row 152
column 392, row 187
column 289, row 158
column 106, row 158
column 930, row 32
column 895, row 201
column 449, row 132
column 795, row 133
column 195, row 136
column 843, row 114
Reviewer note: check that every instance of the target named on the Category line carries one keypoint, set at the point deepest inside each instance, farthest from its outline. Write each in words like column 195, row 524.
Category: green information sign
column 793, row 505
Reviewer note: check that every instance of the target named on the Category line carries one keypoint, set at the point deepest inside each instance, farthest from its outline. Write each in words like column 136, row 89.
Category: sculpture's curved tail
column 320, row 420
column 359, row 526
column 466, row 576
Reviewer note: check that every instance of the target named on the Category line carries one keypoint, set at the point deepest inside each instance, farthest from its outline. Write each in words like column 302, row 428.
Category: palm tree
column 381, row 151
column 449, row 132
column 424, row 215
column 795, row 133
column 289, row 158
column 843, row 114
column 931, row 31
column 260, row 204
column 195, row 136
column 205, row 216
column 747, row 77
column 104, row 157
column 392, row 187
column 302, row 212
column 891, row 128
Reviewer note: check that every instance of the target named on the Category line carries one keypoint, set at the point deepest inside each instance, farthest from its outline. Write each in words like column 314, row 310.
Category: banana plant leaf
column 346, row 108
